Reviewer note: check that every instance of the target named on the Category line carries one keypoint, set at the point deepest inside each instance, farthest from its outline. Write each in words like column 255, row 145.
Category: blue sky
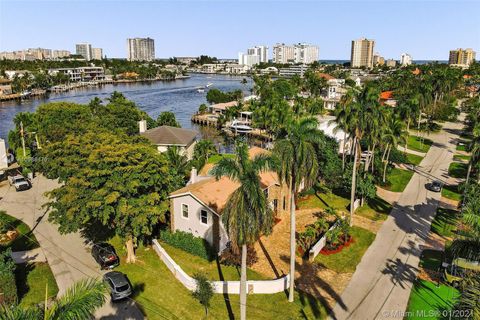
column 425, row 29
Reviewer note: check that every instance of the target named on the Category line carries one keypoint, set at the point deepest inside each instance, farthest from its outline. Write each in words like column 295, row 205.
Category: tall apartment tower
column 305, row 53
column 140, row 49
column 97, row 53
column 461, row 57
column 261, row 51
column 406, row 59
column 362, row 53
column 283, row 54
column 84, row 50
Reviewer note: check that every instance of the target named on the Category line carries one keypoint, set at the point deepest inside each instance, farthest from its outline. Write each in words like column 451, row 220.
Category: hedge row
column 8, row 288
column 189, row 243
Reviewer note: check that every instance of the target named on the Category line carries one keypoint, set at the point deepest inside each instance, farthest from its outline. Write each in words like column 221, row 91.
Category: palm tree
column 297, row 166
column 475, row 152
column 393, row 135
column 203, row 150
column 178, row 160
column 79, row 302
column 246, row 215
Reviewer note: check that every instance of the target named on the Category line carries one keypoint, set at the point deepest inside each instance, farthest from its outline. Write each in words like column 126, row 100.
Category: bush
column 231, row 258
column 4, row 223
column 189, row 243
column 8, row 288
column 311, row 234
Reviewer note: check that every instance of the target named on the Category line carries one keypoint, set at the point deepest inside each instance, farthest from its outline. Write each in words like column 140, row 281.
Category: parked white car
column 19, row 182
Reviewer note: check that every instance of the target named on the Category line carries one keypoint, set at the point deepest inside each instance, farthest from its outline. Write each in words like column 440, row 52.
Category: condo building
column 378, row 60
column 253, row 56
column 34, row 54
column 84, row 50
column 461, row 57
column 140, row 49
column 362, row 53
column 305, row 53
column 391, row 63
column 405, row 59
column 97, row 53
column 283, row 54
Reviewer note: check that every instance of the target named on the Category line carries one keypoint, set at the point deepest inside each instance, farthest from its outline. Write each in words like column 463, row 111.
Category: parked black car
column 435, row 186
column 105, row 255
column 120, row 287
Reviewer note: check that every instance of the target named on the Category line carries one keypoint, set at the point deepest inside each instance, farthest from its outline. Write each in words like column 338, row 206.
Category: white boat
column 209, row 85
column 239, row 127
column 200, row 90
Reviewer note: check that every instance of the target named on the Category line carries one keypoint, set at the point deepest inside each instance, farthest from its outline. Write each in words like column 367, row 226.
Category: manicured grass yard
column 161, row 296
column 459, row 157
column 218, row 157
column 426, row 297
column 376, row 209
column 458, row 170
column 398, row 179
column 462, row 145
column 25, row 240
column 445, row 222
column 191, row 264
column 451, row 192
column 416, row 143
column 348, row 259
column 414, row 159
column 31, row 279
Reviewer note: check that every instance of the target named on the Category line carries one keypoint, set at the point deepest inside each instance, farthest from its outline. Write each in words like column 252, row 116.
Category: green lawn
column 430, row 300
column 348, row 259
column 462, row 145
column 191, row 264
column 416, row 143
column 25, row 240
column 431, row 259
column 398, row 179
column 451, row 192
column 458, row 170
column 445, row 222
column 32, row 279
column 217, row 157
column 161, row 296
column 414, row 159
column 376, row 209
column 460, row 157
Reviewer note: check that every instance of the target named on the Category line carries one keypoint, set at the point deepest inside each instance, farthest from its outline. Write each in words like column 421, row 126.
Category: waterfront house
column 197, row 208
column 165, row 136
column 84, row 74
column 220, row 108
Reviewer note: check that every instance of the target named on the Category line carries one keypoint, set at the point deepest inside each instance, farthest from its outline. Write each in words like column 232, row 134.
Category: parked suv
column 435, row 186
column 105, row 255
column 19, row 182
column 119, row 284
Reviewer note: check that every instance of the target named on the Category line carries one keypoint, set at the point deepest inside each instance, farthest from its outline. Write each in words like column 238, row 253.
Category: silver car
column 435, row 186
column 120, row 287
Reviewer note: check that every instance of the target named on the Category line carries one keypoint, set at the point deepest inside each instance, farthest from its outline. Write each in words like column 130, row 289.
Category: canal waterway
column 179, row 96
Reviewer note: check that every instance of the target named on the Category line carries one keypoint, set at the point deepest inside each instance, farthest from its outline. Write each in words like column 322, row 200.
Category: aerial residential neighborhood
column 165, row 160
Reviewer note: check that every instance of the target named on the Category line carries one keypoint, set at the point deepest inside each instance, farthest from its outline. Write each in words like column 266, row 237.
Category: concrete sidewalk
column 381, row 285
column 34, row 255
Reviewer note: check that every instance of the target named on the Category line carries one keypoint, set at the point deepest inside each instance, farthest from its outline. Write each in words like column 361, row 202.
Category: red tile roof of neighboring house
column 416, row 71
column 467, row 76
column 386, row 95
column 326, row 76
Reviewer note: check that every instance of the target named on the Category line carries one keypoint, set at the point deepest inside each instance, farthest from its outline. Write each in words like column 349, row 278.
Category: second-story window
column 185, row 210
column 204, row 216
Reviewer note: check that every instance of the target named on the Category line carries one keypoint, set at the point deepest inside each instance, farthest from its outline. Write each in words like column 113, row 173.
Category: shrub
column 230, row 257
column 204, row 291
column 8, row 288
column 311, row 234
column 189, row 243
column 4, row 223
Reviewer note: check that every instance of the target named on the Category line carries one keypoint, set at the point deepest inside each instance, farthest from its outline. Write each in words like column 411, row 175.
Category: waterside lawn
column 161, row 296
column 348, row 259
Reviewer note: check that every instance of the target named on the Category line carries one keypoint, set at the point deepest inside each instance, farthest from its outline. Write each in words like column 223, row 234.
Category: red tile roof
column 386, row 95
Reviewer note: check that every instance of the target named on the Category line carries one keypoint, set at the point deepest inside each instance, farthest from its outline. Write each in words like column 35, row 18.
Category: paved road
column 68, row 255
column 381, row 284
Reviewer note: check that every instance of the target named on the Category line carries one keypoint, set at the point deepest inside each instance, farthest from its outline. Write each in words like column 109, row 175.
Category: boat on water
column 239, row 127
column 209, row 85
column 200, row 90
column 25, row 94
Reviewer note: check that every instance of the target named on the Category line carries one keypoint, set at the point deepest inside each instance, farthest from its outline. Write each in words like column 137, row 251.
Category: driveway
column 68, row 255
column 381, row 285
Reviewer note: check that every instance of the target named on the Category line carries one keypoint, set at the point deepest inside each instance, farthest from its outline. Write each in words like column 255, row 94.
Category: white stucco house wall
column 328, row 126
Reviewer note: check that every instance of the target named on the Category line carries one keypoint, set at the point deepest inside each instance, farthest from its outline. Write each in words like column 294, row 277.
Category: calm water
column 179, row 96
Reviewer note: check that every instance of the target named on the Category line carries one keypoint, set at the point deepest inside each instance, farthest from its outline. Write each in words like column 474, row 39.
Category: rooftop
column 225, row 105
column 166, row 135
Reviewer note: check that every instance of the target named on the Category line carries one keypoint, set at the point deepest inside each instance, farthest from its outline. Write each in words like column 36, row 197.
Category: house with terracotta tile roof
column 197, row 208
column 387, row 98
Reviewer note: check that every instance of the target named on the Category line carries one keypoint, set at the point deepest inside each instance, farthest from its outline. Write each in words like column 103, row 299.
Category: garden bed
column 326, row 252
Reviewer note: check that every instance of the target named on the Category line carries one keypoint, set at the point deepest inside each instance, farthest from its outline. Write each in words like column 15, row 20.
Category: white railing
column 318, row 246
column 233, row 287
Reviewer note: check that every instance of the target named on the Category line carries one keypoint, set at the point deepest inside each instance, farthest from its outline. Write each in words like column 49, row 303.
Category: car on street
column 19, row 182
column 435, row 186
column 120, row 287
column 105, row 255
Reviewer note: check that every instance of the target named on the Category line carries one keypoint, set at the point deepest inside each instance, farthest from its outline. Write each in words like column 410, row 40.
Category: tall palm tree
column 393, row 135
column 475, row 152
column 297, row 166
column 246, row 215
column 203, row 150
column 78, row 303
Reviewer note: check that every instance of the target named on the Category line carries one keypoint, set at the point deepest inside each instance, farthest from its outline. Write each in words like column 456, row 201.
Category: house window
column 204, row 216
column 284, row 203
column 265, row 192
column 185, row 210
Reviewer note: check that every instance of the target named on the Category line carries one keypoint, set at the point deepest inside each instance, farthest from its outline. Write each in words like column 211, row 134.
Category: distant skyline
column 427, row 29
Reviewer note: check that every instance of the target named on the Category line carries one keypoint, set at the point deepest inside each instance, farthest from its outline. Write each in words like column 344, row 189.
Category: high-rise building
column 362, row 53
column 391, row 63
column 461, row 57
column 56, row 54
column 140, row 49
column 378, row 60
column 248, row 59
column 261, row 51
column 305, row 53
column 97, row 53
column 406, row 59
column 283, row 54
column 84, row 50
